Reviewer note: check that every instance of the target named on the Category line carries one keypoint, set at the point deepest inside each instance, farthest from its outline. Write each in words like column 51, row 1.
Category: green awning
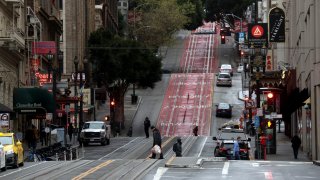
column 33, row 100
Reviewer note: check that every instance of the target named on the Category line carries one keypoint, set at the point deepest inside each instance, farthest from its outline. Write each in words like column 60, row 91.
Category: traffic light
column 270, row 101
column 242, row 53
column 270, row 124
column 223, row 39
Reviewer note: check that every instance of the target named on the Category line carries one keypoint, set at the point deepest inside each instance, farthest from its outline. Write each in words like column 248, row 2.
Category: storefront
column 32, row 106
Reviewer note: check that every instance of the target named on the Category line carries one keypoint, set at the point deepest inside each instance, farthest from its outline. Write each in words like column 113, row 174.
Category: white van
column 95, row 132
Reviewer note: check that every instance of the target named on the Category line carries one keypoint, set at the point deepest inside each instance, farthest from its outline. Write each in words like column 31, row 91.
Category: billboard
column 44, row 47
column 258, row 34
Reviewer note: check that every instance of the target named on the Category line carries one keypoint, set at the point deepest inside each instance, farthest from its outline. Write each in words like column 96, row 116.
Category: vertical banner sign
column 276, row 25
column 258, row 34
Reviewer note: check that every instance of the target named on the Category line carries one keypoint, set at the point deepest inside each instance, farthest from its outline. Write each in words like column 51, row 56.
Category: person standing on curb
column 146, row 126
column 156, row 141
column 177, row 147
column 296, row 142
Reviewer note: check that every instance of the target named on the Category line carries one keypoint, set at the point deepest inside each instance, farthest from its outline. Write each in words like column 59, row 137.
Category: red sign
column 257, row 31
column 43, row 78
column 269, row 63
column 44, row 47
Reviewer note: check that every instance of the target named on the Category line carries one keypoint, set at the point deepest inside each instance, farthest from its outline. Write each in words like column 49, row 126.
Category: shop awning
column 5, row 109
column 33, row 100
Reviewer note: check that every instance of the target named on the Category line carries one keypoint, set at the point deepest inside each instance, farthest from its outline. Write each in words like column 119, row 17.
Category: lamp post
column 85, row 61
column 76, row 62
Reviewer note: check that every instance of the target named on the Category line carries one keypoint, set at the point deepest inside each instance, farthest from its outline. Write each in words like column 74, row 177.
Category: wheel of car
column 4, row 168
column 103, row 142
column 15, row 165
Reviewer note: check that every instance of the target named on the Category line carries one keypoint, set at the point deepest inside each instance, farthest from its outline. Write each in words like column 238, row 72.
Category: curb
column 316, row 163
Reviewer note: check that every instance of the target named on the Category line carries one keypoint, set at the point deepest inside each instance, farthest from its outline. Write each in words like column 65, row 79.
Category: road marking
column 92, row 170
column 202, row 147
column 268, row 175
column 170, row 160
column 20, row 169
column 225, row 168
column 160, row 172
column 117, row 149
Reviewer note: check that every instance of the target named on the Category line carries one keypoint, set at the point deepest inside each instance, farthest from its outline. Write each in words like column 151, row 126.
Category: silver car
column 224, row 79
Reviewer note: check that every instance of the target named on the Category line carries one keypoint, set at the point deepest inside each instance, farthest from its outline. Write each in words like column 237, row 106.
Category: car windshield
column 224, row 76
column 226, row 67
column 6, row 140
column 223, row 106
column 233, row 136
column 228, row 145
column 93, row 126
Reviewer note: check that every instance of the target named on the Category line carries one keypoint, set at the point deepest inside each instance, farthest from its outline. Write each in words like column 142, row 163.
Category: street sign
column 49, row 116
column 250, row 103
column 241, row 37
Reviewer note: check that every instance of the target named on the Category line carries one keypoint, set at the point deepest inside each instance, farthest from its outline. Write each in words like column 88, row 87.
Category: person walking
column 195, row 131
column 70, row 131
column 146, row 126
column 177, row 147
column 236, row 149
column 296, row 142
column 156, row 141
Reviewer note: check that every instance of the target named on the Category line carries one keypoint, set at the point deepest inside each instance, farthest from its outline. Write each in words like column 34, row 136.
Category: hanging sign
column 276, row 25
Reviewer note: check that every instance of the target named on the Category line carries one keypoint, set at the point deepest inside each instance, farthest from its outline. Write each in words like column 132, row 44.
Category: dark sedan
column 224, row 110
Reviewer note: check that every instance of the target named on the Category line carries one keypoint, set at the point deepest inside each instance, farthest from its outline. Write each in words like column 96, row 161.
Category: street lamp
column 76, row 62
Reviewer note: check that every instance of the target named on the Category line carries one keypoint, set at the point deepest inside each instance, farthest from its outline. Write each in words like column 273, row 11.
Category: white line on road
column 20, row 169
column 268, row 175
column 160, row 172
column 204, row 143
column 118, row 149
column 225, row 168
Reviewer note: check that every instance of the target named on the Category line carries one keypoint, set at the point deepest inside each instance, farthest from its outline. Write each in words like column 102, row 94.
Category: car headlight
column 9, row 152
column 102, row 133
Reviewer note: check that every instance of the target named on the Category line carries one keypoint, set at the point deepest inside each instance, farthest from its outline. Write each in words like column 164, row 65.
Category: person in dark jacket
column 156, row 141
column 177, row 147
column 195, row 131
column 296, row 142
column 146, row 126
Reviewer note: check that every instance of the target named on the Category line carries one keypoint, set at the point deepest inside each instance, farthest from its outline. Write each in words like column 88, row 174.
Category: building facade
column 302, row 53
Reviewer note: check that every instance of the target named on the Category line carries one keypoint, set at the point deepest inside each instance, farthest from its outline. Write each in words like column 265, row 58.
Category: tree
column 121, row 62
column 193, row 9
column 158, row 21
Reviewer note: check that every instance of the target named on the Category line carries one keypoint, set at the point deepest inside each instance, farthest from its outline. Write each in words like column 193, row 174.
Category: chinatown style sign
column 277, row 25
column 258, row 34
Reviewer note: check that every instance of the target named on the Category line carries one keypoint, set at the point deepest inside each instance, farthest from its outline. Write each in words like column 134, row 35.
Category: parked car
column 95, row 132
column 240, row 68
column 226, row 68
column 224, row 110
column 13, row 149
column 225, row 142
column 3, row 166
column 224, row 79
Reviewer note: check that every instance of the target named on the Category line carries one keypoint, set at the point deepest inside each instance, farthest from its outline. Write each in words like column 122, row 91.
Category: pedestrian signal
column 270, row 124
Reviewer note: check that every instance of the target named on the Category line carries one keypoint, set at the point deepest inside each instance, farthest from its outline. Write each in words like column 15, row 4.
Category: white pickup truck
column 95, row 132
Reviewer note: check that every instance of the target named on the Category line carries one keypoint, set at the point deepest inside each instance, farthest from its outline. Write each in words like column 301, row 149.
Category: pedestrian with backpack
column 177, row 147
